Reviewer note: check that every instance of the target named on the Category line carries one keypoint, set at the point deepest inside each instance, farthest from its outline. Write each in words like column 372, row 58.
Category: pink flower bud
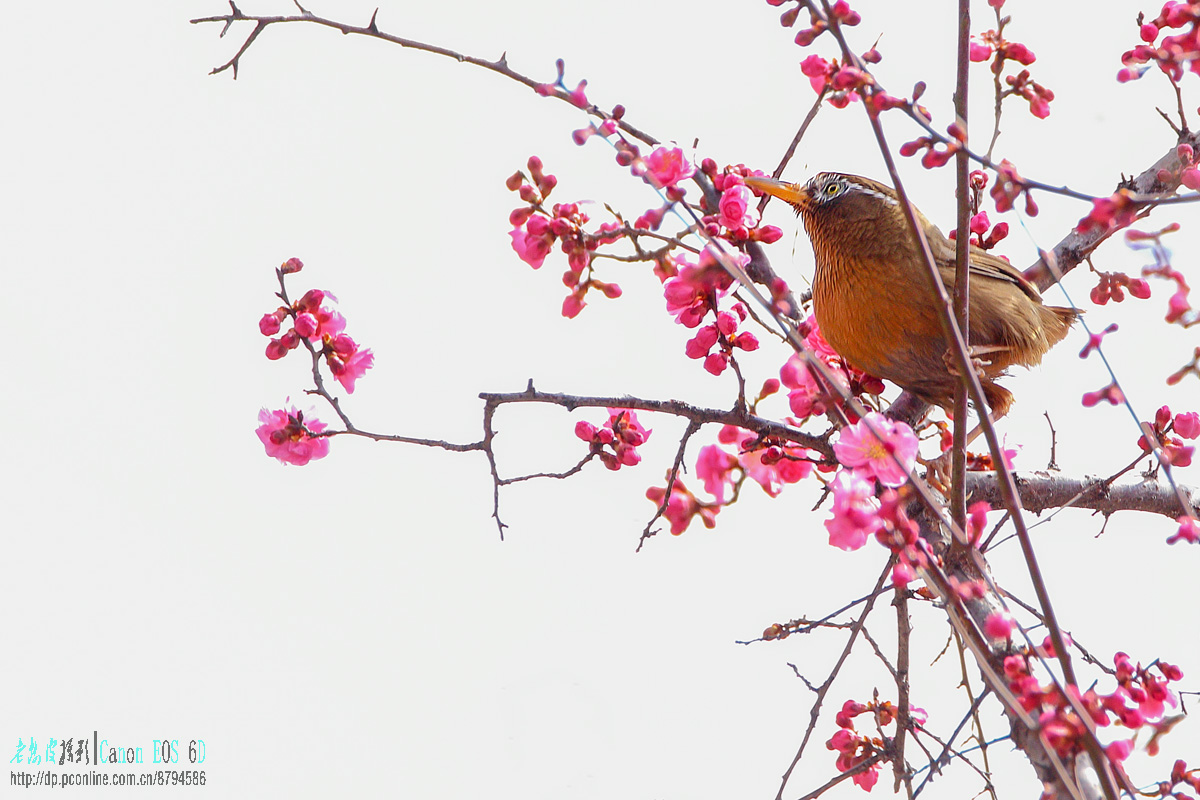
column 291, row 265
column 1187, row 424
column 1019, row 52
column 276, row 350
column 979, row 52
column 306, row 325
column 311, row 300
column 814, row 66
column 999, row 625
column 806, row 36
column 572, row 305
column 980, row 223
column 746, row 341
column 585, row 430
column 577, row 97
column 716, row 363
column 768, row 234
column 343, row 346
column 1148, row 32
column 847, row 16
column 269, row 324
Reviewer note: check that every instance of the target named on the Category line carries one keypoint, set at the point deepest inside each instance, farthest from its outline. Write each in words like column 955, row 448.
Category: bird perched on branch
column 872, row 299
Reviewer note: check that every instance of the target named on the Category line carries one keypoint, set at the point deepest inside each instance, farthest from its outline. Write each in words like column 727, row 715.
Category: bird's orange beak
column 794, row 194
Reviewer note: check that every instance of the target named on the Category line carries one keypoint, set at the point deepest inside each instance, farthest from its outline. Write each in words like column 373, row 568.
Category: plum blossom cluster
column 854, row 748
column 1170, row 431
column 733, row 219
column 842, row 83
column 1174, row 53
column 938, row 150
column 991, row 45
column 683, row 507
column 983, row 234
column 724, row 336
column 876, row 449
column 808, row 395
column 1181, row 779
column 1113, row 285
column 840, row 12
column 559, row 89
column 322, row 326
column 1188, row 172
column 768, row 462
column 290, row 436
column 537, row 230
column 617, row 440
column 1008, row 187
column 694, row 293
column 1140, row 699
column 1119, row 210
column 1179, row 307
column 724, row 467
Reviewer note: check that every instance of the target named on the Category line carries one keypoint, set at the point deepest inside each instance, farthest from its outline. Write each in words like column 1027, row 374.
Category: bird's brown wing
column 982, row 264
column 987, row 265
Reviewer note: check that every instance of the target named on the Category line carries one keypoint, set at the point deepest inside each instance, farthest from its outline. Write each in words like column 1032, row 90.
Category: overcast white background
column 355, row 627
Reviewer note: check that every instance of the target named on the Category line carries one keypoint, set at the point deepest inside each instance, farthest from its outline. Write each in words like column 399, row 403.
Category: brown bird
column 872, row 299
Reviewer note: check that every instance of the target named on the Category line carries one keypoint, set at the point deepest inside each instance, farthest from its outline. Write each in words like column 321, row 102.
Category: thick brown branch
column 1041, row 491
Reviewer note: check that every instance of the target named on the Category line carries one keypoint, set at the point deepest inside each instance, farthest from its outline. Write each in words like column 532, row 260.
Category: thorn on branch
column 371, row 25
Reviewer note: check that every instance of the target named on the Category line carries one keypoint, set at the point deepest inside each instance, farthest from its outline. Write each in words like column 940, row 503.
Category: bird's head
column 830, row 196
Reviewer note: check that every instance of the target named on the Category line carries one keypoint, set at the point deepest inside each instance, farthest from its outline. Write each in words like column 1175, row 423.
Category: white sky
column 355, row 628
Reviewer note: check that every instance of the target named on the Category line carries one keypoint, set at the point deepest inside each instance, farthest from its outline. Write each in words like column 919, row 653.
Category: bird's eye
column 832, row 189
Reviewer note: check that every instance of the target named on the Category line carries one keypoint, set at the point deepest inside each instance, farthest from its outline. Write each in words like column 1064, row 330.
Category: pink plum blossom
column 667, row 166
column 286, row 435
column 713, row 467
column 682, row 506
column 888, row 459
column 773, row 467
column 855, row 511
column 735, row 207
column 532, row 241
column 695, row 290
column 352, row 368
column 807, row 396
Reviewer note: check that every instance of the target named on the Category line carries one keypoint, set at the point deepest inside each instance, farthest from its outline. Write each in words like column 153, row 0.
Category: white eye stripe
column 887, row 198
column 819, row 187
